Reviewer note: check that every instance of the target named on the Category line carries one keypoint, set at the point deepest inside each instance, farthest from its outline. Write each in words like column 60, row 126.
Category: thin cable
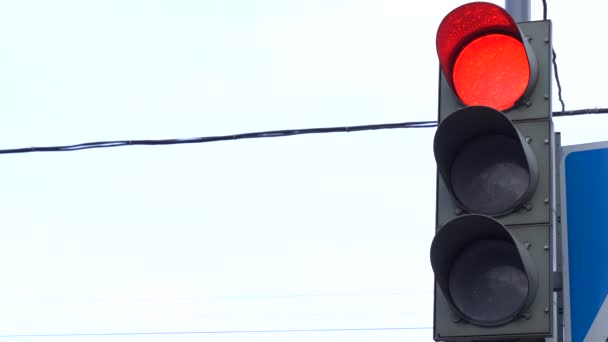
column 581, row 112
column 214, row 332
column 265, row 134
column 559, row 85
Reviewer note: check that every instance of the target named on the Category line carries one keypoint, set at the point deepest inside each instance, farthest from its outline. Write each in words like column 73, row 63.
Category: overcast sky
column 214, row 241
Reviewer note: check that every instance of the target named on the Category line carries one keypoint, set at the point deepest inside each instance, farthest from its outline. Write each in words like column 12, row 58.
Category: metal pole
column 518, row 9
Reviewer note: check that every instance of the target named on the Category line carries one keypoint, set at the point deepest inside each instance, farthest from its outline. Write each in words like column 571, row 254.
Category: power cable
column 252, row 135
column 559, row 85
column 264, row 134
column 581, row 112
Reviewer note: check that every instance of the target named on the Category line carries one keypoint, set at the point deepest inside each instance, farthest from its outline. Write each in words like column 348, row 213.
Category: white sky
column 297, row 233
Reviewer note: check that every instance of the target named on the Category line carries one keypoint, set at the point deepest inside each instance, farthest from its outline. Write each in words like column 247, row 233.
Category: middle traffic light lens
column 489, row 175
column 488, row 283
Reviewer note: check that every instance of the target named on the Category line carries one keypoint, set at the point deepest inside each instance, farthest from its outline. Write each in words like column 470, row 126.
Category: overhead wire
column 581, row 112
column 251, row 135
column 553, row 59
column 559, row 85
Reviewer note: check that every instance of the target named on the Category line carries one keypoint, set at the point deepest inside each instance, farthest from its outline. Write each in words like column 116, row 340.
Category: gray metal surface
column 518, row 9
column 558, row 325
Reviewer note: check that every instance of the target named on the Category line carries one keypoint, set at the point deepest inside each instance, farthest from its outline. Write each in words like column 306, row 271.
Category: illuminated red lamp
column 484, row 56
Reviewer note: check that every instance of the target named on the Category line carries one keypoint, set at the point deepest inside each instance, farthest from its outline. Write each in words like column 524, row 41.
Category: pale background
column 253, row 240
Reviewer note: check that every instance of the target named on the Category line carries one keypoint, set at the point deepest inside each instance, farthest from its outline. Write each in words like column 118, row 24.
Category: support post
column 518, row 9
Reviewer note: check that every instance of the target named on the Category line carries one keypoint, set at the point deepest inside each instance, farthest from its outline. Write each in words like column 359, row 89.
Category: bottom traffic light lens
column 490, row 175
column 488, row 283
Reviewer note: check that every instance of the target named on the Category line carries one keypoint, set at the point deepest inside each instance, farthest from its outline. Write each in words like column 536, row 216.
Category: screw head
column 527, row 244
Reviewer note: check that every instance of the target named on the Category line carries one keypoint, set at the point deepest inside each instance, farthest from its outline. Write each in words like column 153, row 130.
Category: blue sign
column 584, row 186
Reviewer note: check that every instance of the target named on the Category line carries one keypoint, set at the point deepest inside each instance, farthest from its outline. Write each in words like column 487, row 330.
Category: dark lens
column 490, row 175
column 488, row 283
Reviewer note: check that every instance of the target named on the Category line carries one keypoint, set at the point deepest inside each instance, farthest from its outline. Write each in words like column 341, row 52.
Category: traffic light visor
column 485, row 273
column 483, row 160
column 483, row 56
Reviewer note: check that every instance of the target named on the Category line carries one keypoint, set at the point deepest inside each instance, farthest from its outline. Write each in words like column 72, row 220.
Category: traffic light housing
column 493, row 147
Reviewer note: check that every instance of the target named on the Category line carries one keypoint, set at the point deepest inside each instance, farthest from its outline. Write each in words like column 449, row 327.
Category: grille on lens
column 488, row 283
column 490, row 175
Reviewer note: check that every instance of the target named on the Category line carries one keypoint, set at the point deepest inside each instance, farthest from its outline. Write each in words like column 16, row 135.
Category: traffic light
column 491, row 254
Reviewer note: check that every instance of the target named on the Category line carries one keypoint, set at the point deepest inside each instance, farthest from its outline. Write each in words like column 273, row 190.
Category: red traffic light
column 483, row 56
